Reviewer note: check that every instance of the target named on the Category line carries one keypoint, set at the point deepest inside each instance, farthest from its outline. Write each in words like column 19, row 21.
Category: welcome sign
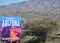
column 11, row 28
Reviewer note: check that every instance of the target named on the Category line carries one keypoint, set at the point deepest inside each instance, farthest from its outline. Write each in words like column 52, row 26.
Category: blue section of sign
column 11, row 18
column 11, row 21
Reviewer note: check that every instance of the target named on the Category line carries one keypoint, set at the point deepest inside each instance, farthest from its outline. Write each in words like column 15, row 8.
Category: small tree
column 40, row 29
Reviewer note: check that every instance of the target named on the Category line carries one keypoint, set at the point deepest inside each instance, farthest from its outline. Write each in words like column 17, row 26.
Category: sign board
column 11, row 28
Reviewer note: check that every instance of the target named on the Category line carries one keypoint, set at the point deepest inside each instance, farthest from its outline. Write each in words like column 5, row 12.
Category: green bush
column 41, row 28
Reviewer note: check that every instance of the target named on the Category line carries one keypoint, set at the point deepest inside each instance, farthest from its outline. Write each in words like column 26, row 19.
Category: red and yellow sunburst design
column 14, row 32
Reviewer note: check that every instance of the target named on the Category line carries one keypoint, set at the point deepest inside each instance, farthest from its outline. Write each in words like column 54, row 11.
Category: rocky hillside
column 32, row 9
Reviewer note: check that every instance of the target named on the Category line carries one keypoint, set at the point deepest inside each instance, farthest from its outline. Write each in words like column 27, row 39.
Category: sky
column 7, row 2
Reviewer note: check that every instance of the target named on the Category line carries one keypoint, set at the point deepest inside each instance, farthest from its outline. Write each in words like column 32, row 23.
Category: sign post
column 11, row 28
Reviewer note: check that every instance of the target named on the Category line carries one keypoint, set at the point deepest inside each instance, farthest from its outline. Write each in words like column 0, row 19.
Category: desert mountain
column 32, row 9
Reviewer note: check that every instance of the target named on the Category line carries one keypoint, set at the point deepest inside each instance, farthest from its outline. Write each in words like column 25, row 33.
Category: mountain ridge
column 32, row 9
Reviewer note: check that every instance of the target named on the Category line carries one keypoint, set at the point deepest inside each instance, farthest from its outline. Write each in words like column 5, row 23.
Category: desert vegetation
column 39, row 31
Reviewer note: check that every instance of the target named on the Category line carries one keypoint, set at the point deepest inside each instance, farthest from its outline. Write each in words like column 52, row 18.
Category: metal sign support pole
column 4, row 42
column 11, row 42
column 16, row 41
column 0, row 36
